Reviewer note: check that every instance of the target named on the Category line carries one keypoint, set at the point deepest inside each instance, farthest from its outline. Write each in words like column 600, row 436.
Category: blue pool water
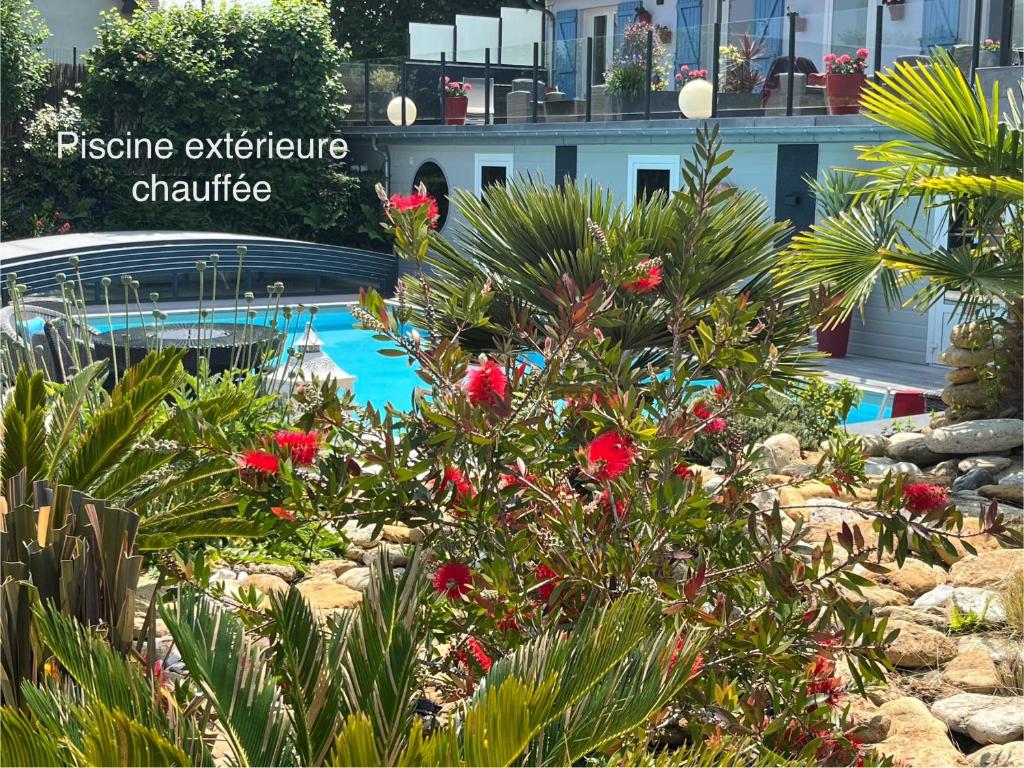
column 383, row 379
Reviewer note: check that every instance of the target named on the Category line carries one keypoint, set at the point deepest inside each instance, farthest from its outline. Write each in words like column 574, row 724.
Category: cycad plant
column 961, row 162
column 345, row 692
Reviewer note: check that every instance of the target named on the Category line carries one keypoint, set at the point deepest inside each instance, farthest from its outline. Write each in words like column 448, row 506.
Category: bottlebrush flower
column 486, row 383
column 823, row 681
column 284, row 514
column 605, row 502
column 650, row 277
column 609, row 455
column 682, row 471
column 463, row 489
column 922, row 497
column 415, row 201
column 479, row 654
column 261, row 462
column 453, row 580
column 720, row 393
column 713, row 426
column 300, row 446
column 544, row 574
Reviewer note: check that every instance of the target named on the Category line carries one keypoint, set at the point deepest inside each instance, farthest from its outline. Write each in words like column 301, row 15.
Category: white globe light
column 395, row 111
column 695, row 99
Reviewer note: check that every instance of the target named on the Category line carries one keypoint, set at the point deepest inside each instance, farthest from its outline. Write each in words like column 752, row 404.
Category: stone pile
column 970, row 355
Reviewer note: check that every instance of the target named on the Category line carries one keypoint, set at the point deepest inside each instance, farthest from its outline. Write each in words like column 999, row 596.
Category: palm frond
column 28, row 743
column 114, row 738
column 64, row 422
column 24, row 429
column 232, row 673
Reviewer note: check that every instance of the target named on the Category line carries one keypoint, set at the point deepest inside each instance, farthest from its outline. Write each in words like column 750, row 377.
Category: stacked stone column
column 970, row 392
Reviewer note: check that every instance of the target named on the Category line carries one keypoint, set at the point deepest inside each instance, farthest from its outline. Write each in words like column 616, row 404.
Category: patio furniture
column 807, row 99
column 559, row 108
column 907, row 402
column 477, row 101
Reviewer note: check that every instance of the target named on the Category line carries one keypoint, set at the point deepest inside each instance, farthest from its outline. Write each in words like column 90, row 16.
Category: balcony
column 749, row 68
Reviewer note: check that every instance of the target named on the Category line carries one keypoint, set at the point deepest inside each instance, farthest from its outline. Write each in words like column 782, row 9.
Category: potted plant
column 664, row 33
column 896, row 9
column 988, row 56
column 627, row 78
column 383, row 84
column 740, row 81
column 456, row 101
column 643, row 16
column 844, row 79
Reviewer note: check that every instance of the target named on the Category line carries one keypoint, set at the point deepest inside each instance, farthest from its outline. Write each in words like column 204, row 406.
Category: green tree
column 22, row 65
column 374, row 30
column 961, row 161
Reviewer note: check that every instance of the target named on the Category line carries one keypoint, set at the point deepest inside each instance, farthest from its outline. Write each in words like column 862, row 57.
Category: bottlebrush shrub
column 557, row 473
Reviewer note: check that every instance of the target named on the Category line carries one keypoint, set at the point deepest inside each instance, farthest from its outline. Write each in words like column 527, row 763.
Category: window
column 432, row 177
column 491, row 169
column 652, row 173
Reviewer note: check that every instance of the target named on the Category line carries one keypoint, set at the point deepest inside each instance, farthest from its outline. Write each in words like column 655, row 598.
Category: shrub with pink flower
column 845, row 64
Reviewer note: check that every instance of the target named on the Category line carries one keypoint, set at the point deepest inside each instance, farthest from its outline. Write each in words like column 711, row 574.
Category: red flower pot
column 896, row 11
column 844, row 93
column 835, row 340
column 455, row 109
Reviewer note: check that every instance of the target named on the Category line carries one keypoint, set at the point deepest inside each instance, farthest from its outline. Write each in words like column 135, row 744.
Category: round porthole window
column 432, row 177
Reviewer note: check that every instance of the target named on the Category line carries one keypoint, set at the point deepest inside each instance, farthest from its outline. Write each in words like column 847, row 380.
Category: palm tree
column 960, row 161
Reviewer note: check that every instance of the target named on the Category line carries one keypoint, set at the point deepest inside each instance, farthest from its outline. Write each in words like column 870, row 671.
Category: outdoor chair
column 477, row 101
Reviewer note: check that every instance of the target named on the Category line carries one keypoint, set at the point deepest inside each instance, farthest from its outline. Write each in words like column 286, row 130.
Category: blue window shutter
column 941, row 23
column 565, row 52
column 768, row 30
column 624, row 15
column 688, row 21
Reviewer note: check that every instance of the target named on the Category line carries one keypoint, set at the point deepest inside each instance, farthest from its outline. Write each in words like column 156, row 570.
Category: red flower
column 922, row 497
column 547, row 576
column 453, row 580
column 605, row 502
column 713, row 426
column 682, row 471
column 486, row 383
column 479, row 654
column 300, row 446
column 262, row 462
column 463, row 489
column 821, row 680
column 650, row 278
column 284, row 514
column 513, row 480
column 720, row 392
column 509, row 623
column 609, row 455
column 414, row 201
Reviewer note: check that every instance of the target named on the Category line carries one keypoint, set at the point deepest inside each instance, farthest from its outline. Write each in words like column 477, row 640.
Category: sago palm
column 959, row 162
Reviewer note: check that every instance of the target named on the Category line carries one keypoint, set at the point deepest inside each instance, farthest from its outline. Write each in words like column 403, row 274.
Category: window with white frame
column 491, row 169
column 648, row 174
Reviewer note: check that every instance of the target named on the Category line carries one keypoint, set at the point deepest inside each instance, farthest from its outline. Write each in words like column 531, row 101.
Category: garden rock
column 357, row 579
column 971, row 335
column 981, row 436
column 987, row 569
column 955, row 357
column 973, row 479
column 333, row 568
column 831, row 511
column 999, row 755
column 360, row 535
column 875, row 445
column 876, row 597
column 991, row 464
column 267, row 583
column 283, row 571
column 919, row 647
column 1014, row 478
column 972, row 395
column 398, row 554
column 911, row 446
column 870, row 724
column 779, row 450
column 1000, row 648
column 933, row 618
column 401, row 534
column 945, row 472
column 983, row 603
column 913, row 579
column 972, row 671
column 986, row 719
column 880, row 466
column 1011, row 494
column 915, row 737
column 963, row 375
column 327, row 596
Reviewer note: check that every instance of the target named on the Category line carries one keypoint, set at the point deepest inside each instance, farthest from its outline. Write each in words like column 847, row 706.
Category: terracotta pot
column 844, row 92
column 835, row 341
column 455, row 109
column 896, row 11
column 665, row 35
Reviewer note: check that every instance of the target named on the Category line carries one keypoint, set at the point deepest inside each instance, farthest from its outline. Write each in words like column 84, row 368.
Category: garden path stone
column 980, row 436
column 998, row 755
column 986, row 569
column 916, row 738
column 986, row 719
column 988, row 463
column 973, row 479
column 972, row 671
column 911, row 446
column 918, row 647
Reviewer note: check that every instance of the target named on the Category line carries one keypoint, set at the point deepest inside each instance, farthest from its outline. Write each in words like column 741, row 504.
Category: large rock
column 955, row 357
column 972, row 335
column 983, row 603
column 991, row 464
column 915, row 737
column 975, row 394
column 913, row 579
column 870, row 724
column 281, row 570
column 1012, row 478
column 267, row 583
column 875, row 445
column 971, row 502
column 981, row 436
column 987, row 569
column 1011, row 494
column 931, row 617
column 357, row 579
column 986, row 719
column 831, row 511
column 972, row 671
column 876, row 597
column 780, row 450
column 999, row 755
column 1003, row 649
column 918, row 647
column 913, row 447
column 880, row 466
column 327, row 596
column 333, row 567
column 973, row 479
column 963, row 375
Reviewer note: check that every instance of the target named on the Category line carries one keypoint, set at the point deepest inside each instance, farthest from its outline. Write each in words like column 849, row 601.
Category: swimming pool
column 383, row 379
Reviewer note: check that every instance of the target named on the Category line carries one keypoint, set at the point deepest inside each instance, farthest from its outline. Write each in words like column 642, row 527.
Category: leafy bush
column 628, row 74
column 23, row 66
